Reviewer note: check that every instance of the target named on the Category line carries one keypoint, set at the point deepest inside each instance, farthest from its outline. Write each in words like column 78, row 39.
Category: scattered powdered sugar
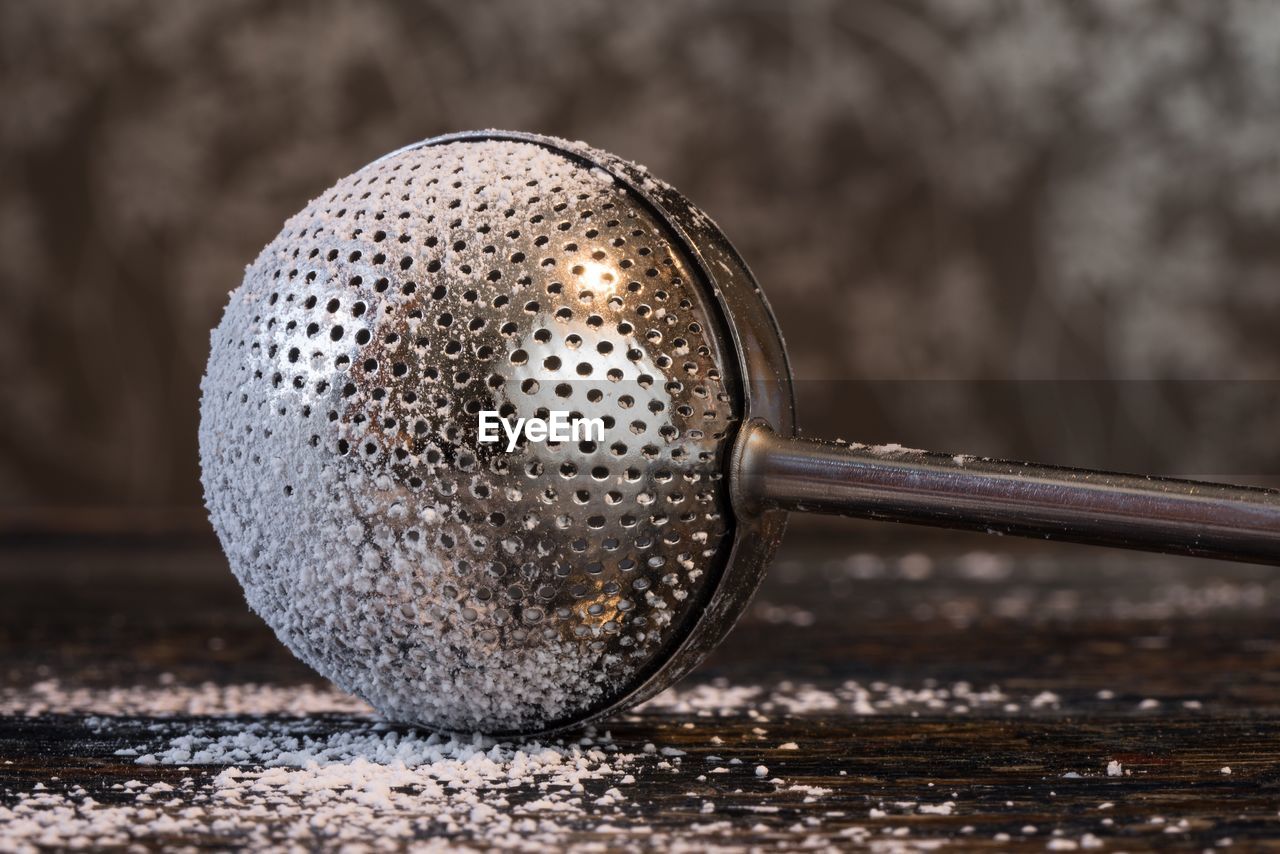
column 783, row 614
column 720, row 698
column 1045, row 698
column 321, row 771
column 52, row 697
column 715, row 698
column 263, row 766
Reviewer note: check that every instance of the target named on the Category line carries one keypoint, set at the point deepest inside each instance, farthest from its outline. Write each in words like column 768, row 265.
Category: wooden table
column 1004, row 684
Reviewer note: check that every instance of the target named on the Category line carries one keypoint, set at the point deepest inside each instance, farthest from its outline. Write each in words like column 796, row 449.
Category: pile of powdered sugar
column 287, row 782
column 350, row 781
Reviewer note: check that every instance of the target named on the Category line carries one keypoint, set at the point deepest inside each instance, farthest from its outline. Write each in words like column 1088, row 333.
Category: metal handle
column 1024, row 499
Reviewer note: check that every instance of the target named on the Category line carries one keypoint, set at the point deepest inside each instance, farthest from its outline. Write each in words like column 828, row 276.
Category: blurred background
column 1045, row 229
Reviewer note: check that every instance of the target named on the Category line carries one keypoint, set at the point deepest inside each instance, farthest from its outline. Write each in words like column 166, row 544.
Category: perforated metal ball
column 446, row 580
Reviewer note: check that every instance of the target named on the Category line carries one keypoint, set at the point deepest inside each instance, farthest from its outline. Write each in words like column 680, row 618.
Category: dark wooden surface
column 1103, row 633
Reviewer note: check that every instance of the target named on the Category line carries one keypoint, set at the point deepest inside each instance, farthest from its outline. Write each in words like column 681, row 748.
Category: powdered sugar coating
column 445, row 581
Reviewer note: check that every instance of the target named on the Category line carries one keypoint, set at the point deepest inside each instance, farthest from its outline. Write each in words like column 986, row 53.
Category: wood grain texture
column 1048, row 630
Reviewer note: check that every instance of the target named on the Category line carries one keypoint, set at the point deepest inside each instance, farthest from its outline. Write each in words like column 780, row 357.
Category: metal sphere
column 448, row 581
